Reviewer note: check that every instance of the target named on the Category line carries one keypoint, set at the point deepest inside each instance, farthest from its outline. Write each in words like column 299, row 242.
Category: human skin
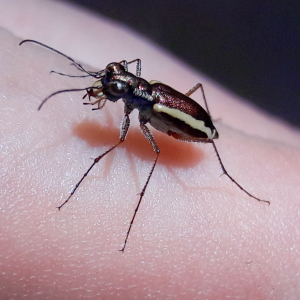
column 196, row 235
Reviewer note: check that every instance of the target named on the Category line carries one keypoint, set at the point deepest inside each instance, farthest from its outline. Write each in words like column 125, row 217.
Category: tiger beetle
column 161, row 106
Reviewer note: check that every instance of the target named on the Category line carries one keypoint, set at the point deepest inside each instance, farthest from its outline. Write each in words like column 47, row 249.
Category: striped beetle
column 161, row 106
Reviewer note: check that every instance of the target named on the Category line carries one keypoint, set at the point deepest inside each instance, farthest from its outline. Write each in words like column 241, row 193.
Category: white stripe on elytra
column 186, row 118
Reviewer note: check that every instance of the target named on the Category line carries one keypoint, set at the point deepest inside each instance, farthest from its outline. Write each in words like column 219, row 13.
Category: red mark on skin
column 173, row 153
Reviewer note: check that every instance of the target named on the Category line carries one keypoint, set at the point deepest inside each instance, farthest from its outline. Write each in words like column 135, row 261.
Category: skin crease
column 196, row 235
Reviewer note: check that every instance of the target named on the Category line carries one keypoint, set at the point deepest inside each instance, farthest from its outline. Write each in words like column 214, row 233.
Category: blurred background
column 251, row 47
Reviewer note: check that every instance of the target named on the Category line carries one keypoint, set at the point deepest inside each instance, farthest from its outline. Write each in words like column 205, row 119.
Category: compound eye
column 117, row 88
column 115, row 68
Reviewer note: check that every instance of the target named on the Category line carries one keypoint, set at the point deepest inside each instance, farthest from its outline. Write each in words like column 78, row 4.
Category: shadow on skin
column 173, row 153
